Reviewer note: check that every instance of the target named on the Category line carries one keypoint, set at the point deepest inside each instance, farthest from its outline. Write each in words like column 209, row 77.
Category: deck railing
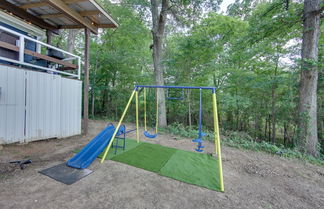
column 54, row 64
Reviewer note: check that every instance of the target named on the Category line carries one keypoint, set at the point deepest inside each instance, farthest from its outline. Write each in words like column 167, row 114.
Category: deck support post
column 86, row 82
column 49, row 37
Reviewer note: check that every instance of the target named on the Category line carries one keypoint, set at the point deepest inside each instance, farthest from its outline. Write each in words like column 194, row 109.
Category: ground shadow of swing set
column 75, row 168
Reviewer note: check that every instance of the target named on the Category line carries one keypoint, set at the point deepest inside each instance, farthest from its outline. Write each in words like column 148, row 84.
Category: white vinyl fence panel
column 12, row 104
column 70, row 107
column 42, row 105
column 36, row 105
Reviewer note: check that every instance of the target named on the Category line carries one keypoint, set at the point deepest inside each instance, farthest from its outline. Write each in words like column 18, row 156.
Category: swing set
column 147, row 134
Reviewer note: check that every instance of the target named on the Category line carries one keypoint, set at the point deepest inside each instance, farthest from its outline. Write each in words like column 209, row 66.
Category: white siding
column 70, row 107
column 42, row 105
column 12, row 104
column 35, row 105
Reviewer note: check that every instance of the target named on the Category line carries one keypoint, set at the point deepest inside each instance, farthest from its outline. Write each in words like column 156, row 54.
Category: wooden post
column 49, row 37
column 86, row 82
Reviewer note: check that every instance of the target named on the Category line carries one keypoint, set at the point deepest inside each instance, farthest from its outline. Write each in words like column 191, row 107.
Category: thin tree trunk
column 269, row 128
column 307, row 126
column 237, row 111
column 286, row 137
column 93, row 88
column 273, row 103
column 265, row 128
column 159, row 21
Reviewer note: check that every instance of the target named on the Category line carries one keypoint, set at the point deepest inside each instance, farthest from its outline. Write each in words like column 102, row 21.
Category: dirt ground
column 252, row 180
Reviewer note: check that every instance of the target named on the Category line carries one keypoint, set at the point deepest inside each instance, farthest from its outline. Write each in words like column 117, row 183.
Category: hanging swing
column 146, row 133
column 200, row 133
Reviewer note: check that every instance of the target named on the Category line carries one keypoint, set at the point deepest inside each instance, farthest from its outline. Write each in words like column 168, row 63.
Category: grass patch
column 151, row 157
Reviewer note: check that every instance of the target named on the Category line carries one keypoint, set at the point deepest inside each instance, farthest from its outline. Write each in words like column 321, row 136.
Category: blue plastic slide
column 91, row 151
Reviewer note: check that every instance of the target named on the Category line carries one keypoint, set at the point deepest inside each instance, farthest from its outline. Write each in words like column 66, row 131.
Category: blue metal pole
column 177, row 87
column 200, row 114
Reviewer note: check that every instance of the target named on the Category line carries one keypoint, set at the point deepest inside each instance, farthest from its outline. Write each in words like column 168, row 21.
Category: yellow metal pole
column 116, row 130
column 217, row 142
column 137, row 129
column 145, row 128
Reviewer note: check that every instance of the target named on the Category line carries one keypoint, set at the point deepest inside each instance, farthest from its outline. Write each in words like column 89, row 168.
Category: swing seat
column 199, row 150
column 148, row 135
column 199, row 140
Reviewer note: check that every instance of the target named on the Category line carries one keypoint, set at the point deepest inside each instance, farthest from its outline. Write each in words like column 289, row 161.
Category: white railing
column 21, row 60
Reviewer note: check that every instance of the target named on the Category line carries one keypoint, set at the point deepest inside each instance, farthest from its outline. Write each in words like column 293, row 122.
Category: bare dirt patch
column 252, row 180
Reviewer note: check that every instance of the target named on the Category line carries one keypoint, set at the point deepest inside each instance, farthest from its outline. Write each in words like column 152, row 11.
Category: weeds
column 242, row 140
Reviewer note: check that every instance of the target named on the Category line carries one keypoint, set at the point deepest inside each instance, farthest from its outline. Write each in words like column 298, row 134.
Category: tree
column 307, row 125
column 158, row 26
column 184, row 12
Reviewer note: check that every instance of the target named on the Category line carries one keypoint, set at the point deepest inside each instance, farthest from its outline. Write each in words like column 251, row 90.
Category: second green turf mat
column 193, row 168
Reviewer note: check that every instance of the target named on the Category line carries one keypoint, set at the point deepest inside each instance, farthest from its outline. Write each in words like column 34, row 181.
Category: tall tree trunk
column 159, row 21
column 273, row 103
column 307, row 126
column 71, row 40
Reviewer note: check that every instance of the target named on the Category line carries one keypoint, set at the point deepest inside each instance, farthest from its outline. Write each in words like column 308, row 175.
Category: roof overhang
column 53, row 15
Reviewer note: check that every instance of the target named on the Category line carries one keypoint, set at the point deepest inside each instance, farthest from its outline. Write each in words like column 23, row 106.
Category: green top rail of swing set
column 177, row 87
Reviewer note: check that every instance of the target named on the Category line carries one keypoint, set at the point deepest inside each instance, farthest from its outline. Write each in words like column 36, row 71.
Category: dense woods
column 252, row 54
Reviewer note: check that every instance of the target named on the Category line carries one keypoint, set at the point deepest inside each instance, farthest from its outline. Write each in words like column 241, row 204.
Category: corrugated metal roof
column 88, row 9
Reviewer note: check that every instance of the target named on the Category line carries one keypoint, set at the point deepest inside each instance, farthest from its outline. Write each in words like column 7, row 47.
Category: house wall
column 12, row 105
column 36, row 105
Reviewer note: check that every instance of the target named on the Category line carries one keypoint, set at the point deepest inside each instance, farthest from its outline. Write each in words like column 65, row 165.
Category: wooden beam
column 86, row 81
column 9, row 46
column 106, row 26
column 45, row 3
column 34, row 5
column 61, row 6
column 5, row 5
column 80, row 26
column 83, row 14
column 94, row 3
column 51, row 59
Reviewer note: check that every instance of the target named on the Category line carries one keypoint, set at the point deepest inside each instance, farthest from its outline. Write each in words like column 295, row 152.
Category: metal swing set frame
column 215, row 115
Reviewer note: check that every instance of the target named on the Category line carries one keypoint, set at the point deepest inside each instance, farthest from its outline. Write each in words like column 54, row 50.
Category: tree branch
column 162, row 18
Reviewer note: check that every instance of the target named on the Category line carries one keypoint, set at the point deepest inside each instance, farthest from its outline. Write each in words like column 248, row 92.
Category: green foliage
column 252, row 55
column 242, row 140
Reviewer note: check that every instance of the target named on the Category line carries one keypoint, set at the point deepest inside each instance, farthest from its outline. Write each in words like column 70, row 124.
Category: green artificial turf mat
column 189, row 167
column 151, row 157
column 130, row 144
column 193, row 168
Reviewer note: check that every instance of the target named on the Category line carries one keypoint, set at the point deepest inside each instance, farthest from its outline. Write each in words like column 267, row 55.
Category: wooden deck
column 66, row 65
